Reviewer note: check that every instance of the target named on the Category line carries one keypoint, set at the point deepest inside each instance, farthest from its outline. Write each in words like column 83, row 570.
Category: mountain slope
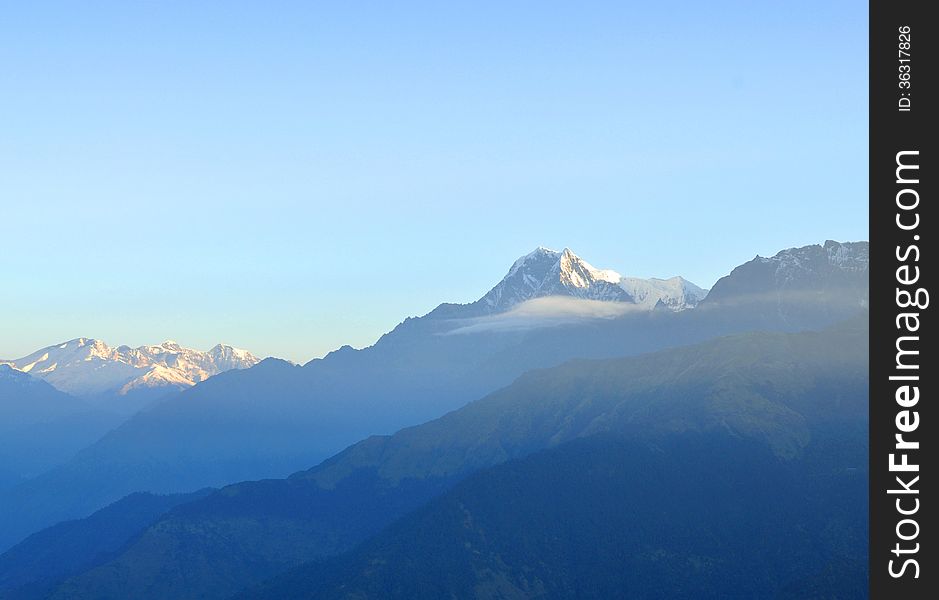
column 41, row 426
column 608, row 517
column 827, row 272
column 26, row 400
column 779, row 391
column 276, row 418
column 33, row 567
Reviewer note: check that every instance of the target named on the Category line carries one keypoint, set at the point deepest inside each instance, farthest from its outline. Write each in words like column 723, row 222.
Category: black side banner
column 904, row 375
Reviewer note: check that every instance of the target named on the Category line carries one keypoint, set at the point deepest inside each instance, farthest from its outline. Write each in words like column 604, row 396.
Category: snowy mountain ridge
column 793, row 263
column 675, row 293
column 87, row 367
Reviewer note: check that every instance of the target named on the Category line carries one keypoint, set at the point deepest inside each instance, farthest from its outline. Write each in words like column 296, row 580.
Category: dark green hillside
column 690, row 516
column 32, row 568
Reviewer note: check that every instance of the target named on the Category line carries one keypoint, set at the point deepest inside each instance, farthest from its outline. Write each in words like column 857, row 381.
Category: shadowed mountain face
column 276, row 418
column 789, row 400
column 821, row 275
column 25, row 400
column 41, row 426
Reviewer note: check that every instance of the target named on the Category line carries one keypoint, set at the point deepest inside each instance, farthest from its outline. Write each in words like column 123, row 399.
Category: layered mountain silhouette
column 730, row 468
column 276, row 418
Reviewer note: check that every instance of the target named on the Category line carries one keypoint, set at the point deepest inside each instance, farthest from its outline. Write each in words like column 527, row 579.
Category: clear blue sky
column 292, row 176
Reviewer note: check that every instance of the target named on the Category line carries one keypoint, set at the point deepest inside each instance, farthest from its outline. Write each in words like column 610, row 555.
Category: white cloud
column 550, row 311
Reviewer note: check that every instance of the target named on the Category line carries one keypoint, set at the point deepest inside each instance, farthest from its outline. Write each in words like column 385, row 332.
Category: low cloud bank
column 545, row 312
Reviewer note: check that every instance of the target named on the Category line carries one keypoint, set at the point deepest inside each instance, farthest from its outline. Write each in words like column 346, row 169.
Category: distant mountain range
column 730, row 468
column 88, row 367
column 276, row 417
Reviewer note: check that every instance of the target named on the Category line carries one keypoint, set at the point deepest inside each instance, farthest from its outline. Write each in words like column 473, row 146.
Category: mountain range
column 580, row 480
column 88, row 367
column 62, row 398
column 276, row 417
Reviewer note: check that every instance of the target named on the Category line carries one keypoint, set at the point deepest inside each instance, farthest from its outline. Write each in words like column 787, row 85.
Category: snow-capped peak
column 86, row 366
column 545, row 272
column 538, row 255
column 577, row 272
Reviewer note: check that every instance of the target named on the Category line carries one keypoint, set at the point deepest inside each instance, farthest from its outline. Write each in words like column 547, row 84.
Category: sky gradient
column 288, row 177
